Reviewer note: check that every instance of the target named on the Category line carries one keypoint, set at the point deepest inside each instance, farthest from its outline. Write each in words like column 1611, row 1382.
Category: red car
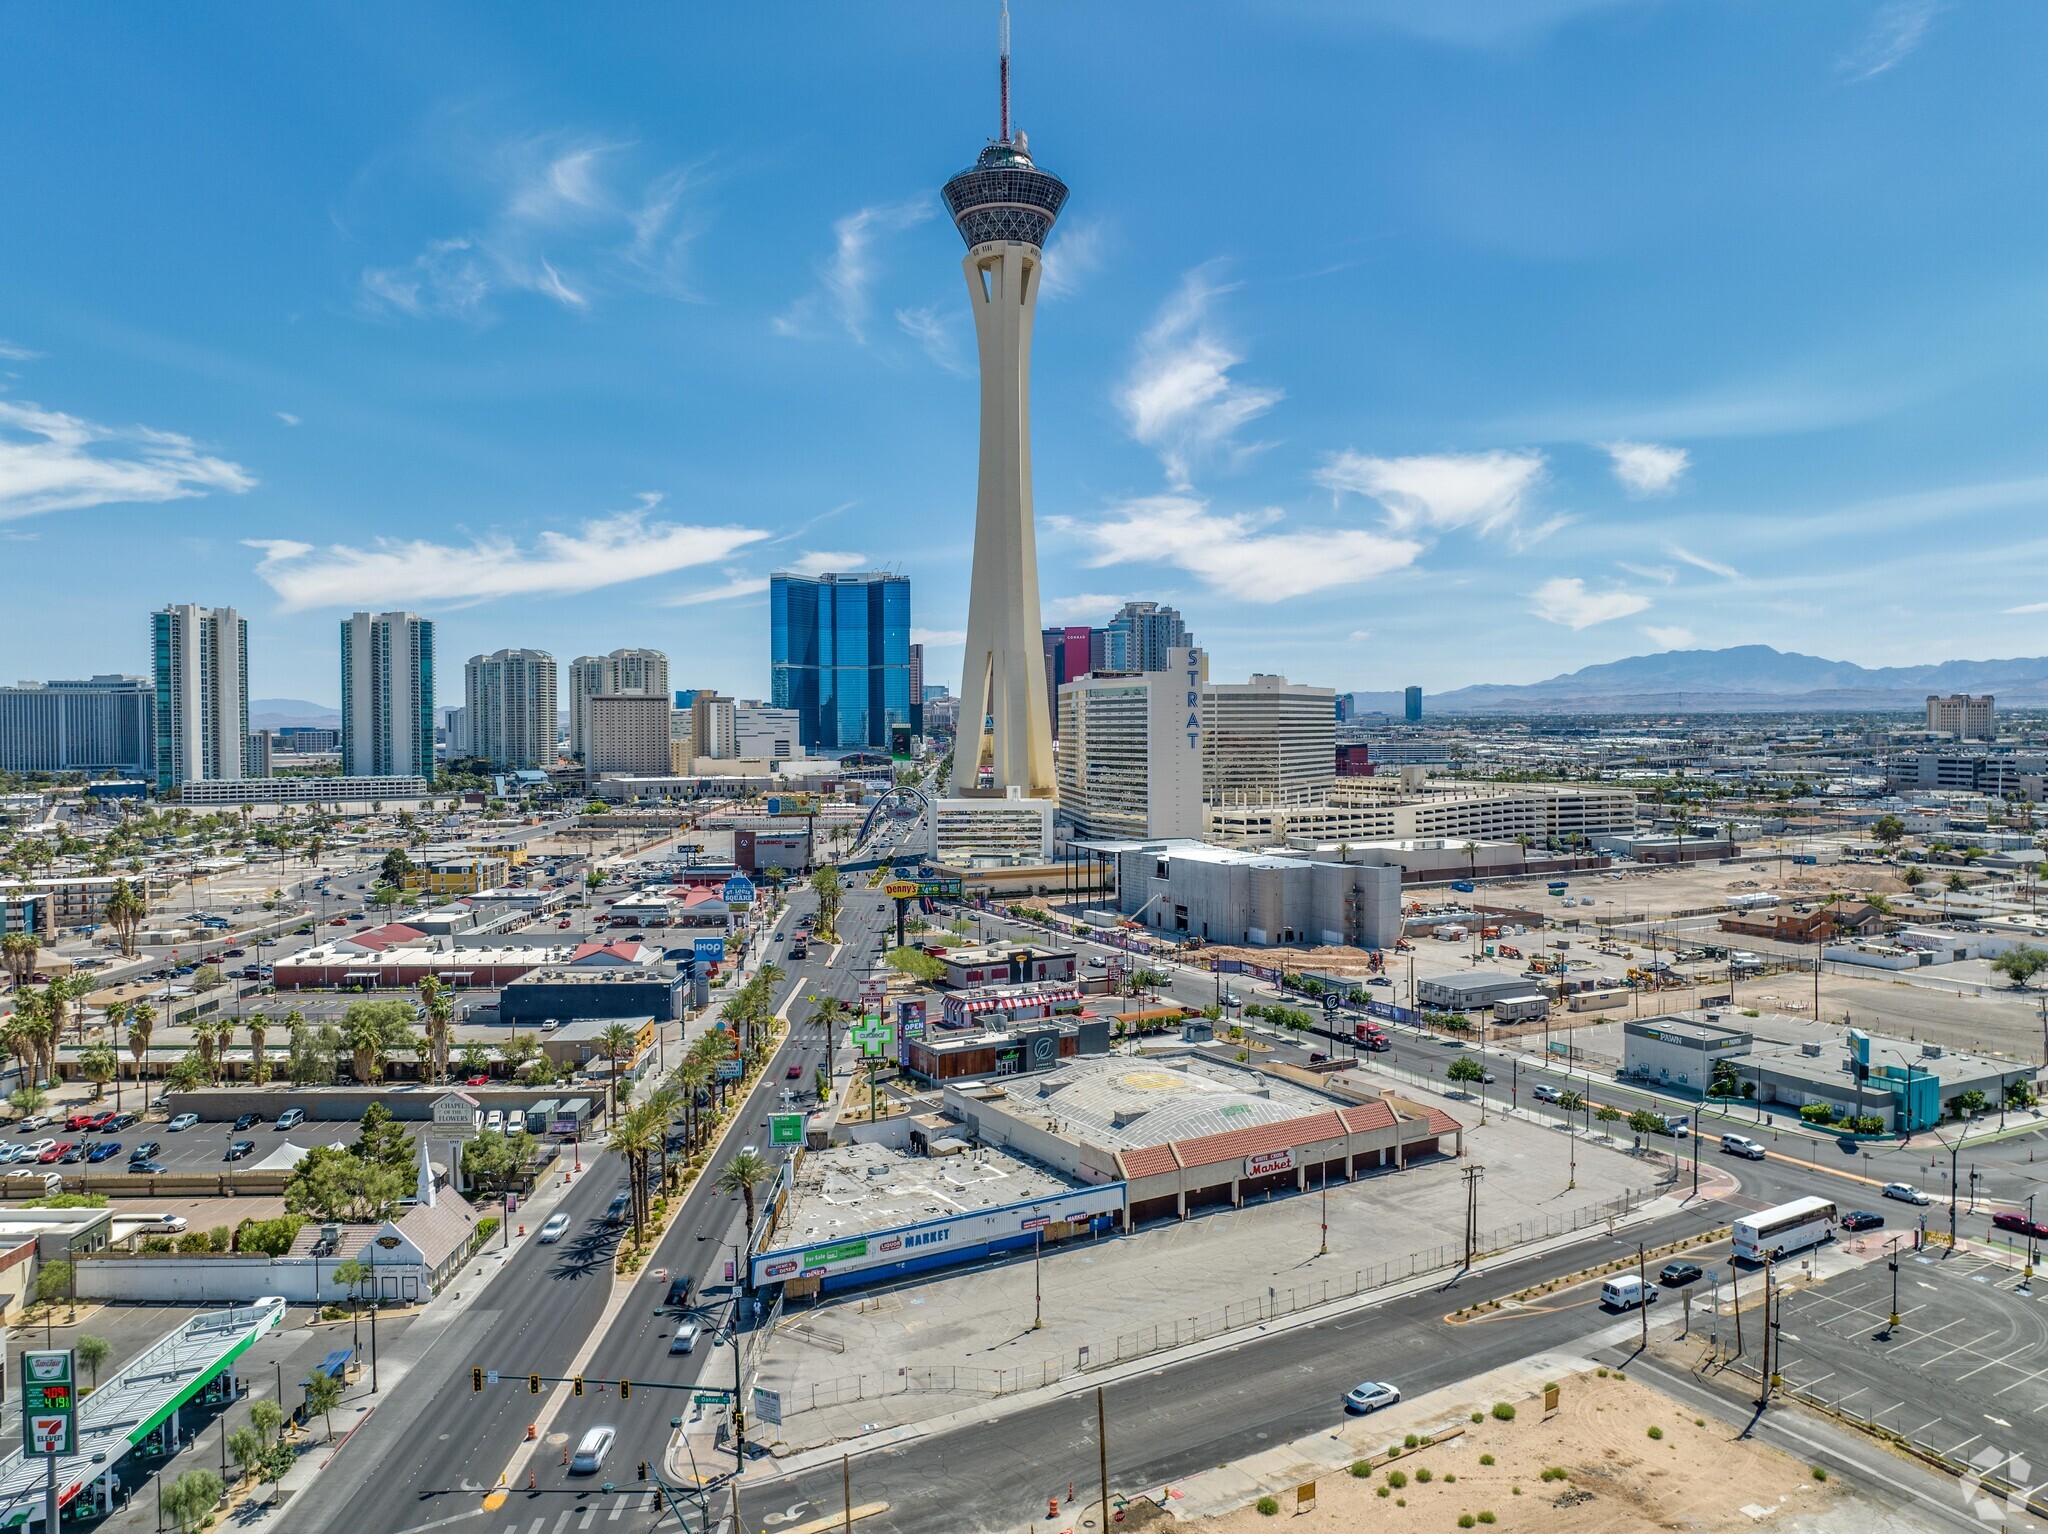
column 78, row 1121
column 2020, row 1224
column 477, row 1081
column 793, row 1072
column 56, row 1152
column 100, row 1121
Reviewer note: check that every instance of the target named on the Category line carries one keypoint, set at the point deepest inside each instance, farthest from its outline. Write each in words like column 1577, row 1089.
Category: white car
column 494, row 1121
column 1098, row 962
column 35, row 1148
column 1906, row 1193
column 1371, row 1396
column 182, row 1121
column 1546, row 1093
column 556, row 1227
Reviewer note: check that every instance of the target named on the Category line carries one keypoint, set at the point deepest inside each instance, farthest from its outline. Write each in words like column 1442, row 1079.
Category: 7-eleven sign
column 49, row 1434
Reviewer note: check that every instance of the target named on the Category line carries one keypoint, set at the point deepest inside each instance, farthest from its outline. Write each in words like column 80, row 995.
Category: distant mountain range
column 276, row 713
column 1753, row 678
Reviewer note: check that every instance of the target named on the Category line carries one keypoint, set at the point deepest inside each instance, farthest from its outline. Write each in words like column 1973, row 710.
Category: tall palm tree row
column 141, row 1024
column 438, row 1006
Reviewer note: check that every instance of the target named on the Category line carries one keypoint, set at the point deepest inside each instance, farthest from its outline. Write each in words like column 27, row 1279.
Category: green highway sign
column 785, row 1129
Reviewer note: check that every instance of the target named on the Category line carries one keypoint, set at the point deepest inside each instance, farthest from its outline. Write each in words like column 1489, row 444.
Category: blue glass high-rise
column 839, row 648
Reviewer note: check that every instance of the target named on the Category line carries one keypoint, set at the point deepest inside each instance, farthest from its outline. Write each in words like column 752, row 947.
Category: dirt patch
column 1617, row 1478
column 1325, row 959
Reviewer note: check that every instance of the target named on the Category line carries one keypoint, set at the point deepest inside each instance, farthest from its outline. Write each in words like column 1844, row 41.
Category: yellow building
column 466, row 875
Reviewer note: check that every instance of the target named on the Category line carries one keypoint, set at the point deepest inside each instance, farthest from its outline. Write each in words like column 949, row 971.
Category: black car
column 240, row 1148
column 615, row 1211
column 147, row 1168
column 120, row 1121
column 145, row 1151
column 678, row 1292
column 1676, row 1275
column 1861, row 1219
column 248, row 1120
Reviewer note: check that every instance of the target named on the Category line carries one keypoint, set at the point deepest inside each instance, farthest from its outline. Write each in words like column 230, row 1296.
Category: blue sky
column 1393, row 343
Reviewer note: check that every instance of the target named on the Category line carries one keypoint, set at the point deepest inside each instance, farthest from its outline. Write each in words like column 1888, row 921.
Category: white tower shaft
column 1005, row 724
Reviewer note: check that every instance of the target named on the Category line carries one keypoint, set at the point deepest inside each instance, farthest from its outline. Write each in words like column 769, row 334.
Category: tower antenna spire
column 1004, row 44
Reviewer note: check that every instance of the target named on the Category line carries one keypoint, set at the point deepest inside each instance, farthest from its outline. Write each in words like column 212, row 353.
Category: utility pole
column 1472, row 1174
column 1324, row 1249
column 1101, row 1458
column 1735, row 1292
column 1643, row 1293
column 1037, row 1289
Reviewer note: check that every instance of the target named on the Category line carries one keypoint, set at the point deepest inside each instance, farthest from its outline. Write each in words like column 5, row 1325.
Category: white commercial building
column 96, row 724
column 625, row 733
column 1191, row 889
column 510, row 709
column 387, row 695
column 1267, row 741
column 989, row 833
column 201, row 659
column 1962, row 717
column 386, row 789
column 762, row 730
column 637, row 672
column 1379, row 809
column 1130, row 751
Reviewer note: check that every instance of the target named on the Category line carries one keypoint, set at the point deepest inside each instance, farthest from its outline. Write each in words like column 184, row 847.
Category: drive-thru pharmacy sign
column 49, row 1402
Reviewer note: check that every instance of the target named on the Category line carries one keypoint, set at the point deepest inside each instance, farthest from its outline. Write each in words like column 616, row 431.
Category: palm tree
column 211, row 1034
column 259, row 1062
column 692, row 1077
column 439, row 1008
column 830, row 1010
column 636, row 1137
column 124, row 912
column 1522, row 840
column 116, row 1015
column 617, row 1042
column 18, row 951
column 141, row 1023
column 42, row 1014
column 742, row 1175
column 1471, row 851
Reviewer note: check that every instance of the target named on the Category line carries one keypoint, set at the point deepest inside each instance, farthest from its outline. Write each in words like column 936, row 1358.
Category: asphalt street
column 429, row 1452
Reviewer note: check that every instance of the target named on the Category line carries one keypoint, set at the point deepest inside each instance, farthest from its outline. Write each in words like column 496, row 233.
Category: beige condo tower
column 1004, row 208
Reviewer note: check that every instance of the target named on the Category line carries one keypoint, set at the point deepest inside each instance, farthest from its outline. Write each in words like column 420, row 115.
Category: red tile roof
column 388, row 936
column 1441, row 1123
column 619, row 948
column 1147, row 1161
column 1236, row 1144
column 1363, row 1118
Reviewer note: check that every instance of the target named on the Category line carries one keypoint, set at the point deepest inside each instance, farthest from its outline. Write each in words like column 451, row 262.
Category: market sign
column 1267, row 1162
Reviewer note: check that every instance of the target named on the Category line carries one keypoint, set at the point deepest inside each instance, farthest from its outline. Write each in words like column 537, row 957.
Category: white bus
column 1788, row 1228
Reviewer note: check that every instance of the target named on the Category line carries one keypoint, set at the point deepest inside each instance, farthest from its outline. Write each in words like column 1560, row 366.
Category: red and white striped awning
column 1048, row 999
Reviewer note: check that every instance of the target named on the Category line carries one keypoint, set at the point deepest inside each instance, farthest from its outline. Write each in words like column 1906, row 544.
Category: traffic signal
column 643, row 1470
column 476, row 1380
column 533, row 1384
column 579, row 1385
column 625, row 1390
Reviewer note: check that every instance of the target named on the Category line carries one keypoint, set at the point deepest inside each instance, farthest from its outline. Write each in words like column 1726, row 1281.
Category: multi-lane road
column 429, row 1450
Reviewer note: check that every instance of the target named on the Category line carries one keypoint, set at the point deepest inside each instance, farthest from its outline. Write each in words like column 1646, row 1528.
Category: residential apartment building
column 383, row 790
column 840, row 656
column 510, row 709
column 1267, row 741
column 633, row 672
column 712, row 727
column 1961, row 717
column 1129, row 764
column 387, row 696
column 626, row 734
column 201, row 710
column 1141, row 635
column 95, row 725
column 262, row 754
column 468, row 873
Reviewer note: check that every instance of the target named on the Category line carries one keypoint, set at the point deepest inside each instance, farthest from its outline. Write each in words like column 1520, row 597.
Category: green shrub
column 1479, row 1416
column 1514, row 1491
column 1485, row 1517
column 1382, row 1492
column 1450, row 1479
column 1554, row 1473
column 1268, row 1505
column 1656, row 1432
column 1602, row 1373
column 1397, row 1479
column 1699, row 1422
column 1423, row 1476
column 1820, row 1472
column 1503, row 1412
column 1400, row 1501
column 1619, row 1375
column 1410, row 1441
column 1362, row 1468
column 1466, row 1520
column 1486, row 1459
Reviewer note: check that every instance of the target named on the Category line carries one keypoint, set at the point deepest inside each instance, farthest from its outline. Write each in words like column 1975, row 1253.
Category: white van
column 590, row 1453
column 1742, row 1145
column 1626, row 1293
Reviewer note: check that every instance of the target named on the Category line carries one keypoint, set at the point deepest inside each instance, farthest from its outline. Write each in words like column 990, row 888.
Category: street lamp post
column 376, row 1302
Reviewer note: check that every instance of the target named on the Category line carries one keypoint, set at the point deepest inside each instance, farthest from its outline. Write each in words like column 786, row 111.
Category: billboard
column 902, row 889
column 708, row 950
column 49, row 1402
column 962, row 1232
column 785, row 1129
column 737, row 891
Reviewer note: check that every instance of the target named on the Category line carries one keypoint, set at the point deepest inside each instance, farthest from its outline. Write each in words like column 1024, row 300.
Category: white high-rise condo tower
column 1004, row 208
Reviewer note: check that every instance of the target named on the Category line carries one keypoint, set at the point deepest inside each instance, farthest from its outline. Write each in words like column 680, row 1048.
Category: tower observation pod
column 1004, row 207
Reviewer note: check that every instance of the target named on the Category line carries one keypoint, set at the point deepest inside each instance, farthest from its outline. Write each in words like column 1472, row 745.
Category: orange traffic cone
column 1052, row 1507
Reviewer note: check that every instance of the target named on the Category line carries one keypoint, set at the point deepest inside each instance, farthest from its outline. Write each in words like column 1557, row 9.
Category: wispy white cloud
column 287, row 417
column 938, row 637
column 50, row 461
column 604, row 551
column 1440, row 491
column 1088, row 607
column 568, row 219
column 1243, row 555
column 1359, row 636
column 824, row 562
column 1700, row 562
column 1895, row 30
column 2030, row 607
column 12, row 352
column 1074, row 256
column 929, row 329
column 1565, row 600
column 737, row 585
column 1673, row 638
column 1645, row 468
column 1179, row 398
column 1664, row 575
column 847, row 276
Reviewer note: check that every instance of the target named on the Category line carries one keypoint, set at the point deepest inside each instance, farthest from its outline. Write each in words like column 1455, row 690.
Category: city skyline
column 1321, row 409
